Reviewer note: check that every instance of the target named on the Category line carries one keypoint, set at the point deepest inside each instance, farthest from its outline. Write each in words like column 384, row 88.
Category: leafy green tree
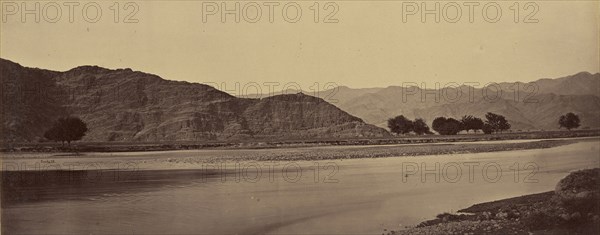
column 400, row 125
column 420, row 127
column 66, row 130
column 569, row 121
column 497, row 122
column 471, row 123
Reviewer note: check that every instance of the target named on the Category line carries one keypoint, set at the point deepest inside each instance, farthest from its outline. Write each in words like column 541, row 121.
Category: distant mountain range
column 126, row 105
column 538, row 104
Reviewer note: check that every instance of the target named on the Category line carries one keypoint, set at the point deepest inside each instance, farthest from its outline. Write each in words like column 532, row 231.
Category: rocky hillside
column 531, row 109
column 126, row 105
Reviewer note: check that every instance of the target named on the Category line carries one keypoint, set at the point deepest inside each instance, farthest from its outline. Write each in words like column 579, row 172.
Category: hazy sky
column 370, row 46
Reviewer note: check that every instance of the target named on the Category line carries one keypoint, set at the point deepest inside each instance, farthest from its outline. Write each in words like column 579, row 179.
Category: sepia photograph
column 382, row 117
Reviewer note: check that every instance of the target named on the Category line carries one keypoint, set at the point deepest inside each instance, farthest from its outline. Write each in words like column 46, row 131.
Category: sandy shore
column 195, row 159
column 276, row 143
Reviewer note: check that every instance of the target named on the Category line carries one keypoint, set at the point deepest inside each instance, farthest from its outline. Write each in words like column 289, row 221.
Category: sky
column 371, row 45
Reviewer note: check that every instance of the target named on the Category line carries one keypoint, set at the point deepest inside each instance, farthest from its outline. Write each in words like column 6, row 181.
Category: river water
column 356, row 196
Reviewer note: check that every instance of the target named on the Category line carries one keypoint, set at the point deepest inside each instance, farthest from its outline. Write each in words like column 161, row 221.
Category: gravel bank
column 544, row 213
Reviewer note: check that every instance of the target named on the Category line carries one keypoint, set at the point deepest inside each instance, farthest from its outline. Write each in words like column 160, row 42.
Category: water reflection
column 20, row 187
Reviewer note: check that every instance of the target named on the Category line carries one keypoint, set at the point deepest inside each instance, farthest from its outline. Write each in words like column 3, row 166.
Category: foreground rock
column 579, row 192
column 573, row 208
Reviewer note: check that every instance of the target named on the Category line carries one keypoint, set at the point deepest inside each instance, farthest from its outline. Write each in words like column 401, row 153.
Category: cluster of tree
column 66, row 130
column 402, row 125
column 449, row 126
column 569, row 121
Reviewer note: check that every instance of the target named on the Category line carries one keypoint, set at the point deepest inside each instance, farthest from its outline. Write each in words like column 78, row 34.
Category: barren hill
column 126, row 105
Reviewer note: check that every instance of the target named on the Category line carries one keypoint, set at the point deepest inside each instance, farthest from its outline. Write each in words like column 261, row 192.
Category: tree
column 438, row 124
column 569, row 121
column 400, row 125
column 497, row 122
column 446, row 126
column 487, row 129
column 452, row 126
column 66, row 130
column 471, row 123
column 420, row 127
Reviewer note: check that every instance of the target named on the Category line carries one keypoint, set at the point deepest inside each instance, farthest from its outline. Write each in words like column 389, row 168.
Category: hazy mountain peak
column 584, row 74
column 551, row 98
column 300, row 96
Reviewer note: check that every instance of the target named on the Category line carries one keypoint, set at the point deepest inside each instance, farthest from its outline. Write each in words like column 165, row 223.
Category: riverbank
column 78, row 147
column 573, row 208
column 194, row 159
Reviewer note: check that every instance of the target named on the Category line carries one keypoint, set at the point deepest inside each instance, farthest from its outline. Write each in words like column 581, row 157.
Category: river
column 355, row 196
